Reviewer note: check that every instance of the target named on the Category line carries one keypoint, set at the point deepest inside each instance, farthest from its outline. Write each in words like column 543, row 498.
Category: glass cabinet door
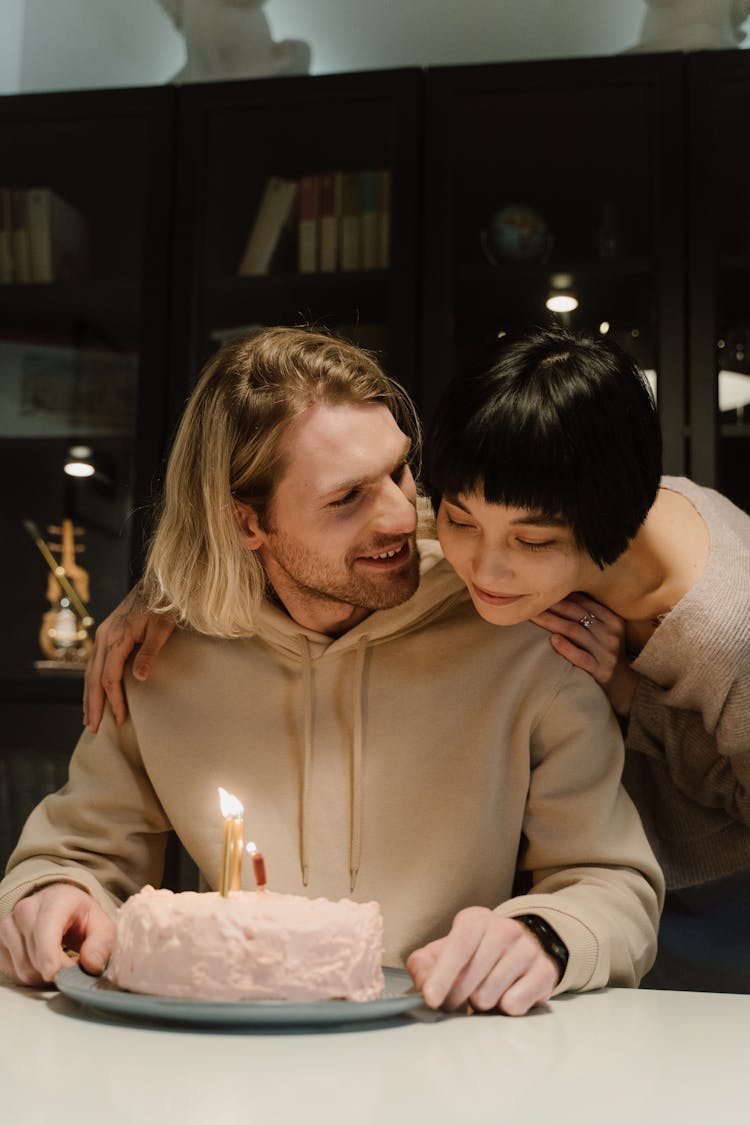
column 719, row 234
column 84, row 202
column 557, row 185
column 297, row 203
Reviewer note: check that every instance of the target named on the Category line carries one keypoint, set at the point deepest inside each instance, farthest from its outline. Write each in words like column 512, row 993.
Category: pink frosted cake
column 247, row 946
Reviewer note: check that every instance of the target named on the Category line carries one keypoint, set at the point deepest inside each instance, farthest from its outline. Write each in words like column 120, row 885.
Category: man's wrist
column 549, row 939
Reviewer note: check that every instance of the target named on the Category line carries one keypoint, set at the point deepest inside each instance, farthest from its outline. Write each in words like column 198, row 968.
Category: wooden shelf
column 85, row 313
column 31, row 684
column 733, row 263
column 580, row 269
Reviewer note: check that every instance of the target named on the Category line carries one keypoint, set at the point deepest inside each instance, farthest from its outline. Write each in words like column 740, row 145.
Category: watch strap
column 549, row 939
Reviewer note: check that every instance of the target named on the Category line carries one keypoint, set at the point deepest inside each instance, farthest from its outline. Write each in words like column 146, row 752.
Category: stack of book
column 341, row 221
column 43, row 237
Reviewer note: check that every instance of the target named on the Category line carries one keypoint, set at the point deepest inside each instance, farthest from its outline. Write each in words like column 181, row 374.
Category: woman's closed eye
column 532, row 545
column 457, row 523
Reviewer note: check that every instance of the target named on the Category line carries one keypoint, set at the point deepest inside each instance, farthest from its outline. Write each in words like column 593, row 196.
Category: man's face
column 340, row 538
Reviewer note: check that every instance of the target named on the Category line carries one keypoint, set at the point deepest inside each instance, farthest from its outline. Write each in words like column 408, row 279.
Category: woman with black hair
column 545, row 472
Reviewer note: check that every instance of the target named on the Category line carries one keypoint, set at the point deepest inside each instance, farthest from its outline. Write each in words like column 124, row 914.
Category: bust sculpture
column 692, row 25
column 231, row 39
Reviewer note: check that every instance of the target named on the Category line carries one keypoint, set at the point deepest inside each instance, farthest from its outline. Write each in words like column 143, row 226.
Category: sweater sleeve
column 593, row 876
column 104, row 831
column 707, row 755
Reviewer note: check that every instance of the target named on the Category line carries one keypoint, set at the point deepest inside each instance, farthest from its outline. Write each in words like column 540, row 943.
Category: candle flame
column 230, row 805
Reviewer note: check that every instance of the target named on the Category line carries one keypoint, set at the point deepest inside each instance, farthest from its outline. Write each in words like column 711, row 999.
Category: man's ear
column 253, row 535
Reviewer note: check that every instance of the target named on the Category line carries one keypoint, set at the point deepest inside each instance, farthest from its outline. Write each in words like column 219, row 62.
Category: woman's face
column 515, row 562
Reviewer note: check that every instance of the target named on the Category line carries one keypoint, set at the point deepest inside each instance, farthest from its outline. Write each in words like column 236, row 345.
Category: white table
column 612, row 1057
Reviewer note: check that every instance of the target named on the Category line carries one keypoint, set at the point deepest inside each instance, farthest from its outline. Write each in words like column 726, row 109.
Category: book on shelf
column 58, row 237
column 384, row 219
column 364, row 219
column 370, row 220
column 308, row 205
column 330, row 214
column 6, row 237
column 341, row 221
column 350, row 226
column 275, row 210
column 20, row 236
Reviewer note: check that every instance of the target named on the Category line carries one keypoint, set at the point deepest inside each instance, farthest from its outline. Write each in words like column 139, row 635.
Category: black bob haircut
column 557, row 423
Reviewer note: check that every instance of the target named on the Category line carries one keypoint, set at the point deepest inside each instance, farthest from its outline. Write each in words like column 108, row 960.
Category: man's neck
column 330, row 618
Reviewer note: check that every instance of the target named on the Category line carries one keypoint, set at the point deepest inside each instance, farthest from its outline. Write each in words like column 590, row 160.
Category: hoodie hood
column 438, row 585
column 439, row 589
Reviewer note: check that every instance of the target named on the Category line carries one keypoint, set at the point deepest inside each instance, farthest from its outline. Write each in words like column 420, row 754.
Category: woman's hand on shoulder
column 130, row 624
column 591, row 637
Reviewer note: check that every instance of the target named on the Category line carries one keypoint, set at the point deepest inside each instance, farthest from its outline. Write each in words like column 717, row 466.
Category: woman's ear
column 253, row 535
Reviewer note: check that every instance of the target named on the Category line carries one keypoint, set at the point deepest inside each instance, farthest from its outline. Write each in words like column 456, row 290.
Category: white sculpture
column 692, row 25
column 231, row 39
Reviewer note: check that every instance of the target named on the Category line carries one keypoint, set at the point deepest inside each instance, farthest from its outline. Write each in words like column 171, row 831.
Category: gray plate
column 96, row 992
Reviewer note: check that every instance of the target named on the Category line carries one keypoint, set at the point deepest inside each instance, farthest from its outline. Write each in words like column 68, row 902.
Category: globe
column 516, row 233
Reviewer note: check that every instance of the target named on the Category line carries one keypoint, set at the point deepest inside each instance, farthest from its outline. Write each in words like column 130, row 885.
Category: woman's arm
column 590, row 636
column 130, row 624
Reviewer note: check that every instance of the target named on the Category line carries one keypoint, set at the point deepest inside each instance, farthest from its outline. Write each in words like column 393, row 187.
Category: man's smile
column 390, row 556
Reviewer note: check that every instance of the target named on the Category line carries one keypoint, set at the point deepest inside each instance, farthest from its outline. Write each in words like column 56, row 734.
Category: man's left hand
column 487, row 961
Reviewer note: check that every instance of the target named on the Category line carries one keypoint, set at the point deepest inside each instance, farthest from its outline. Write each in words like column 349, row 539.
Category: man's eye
column 349, row 498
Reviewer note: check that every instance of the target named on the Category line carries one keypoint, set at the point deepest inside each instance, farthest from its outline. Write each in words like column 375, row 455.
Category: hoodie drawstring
column 304, row 819
column 355, row 798
column 355, row 829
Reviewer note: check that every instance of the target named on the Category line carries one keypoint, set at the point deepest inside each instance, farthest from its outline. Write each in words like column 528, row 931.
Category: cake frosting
column 247, row 946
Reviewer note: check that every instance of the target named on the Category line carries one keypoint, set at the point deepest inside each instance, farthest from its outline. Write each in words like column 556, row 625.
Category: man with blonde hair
column 329, row 669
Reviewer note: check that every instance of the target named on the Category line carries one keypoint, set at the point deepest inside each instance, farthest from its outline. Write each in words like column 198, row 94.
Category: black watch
column 550, row 941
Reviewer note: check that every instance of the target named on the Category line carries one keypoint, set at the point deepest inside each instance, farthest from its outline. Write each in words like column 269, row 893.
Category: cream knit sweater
column 688, row 739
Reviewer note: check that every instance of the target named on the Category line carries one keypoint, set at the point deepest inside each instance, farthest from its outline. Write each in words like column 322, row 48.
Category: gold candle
column 231, row 854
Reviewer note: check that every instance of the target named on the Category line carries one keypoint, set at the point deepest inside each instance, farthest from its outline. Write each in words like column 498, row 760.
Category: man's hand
column 592, row 637
column 486, row 960
column 33, row 935
column 129, row 625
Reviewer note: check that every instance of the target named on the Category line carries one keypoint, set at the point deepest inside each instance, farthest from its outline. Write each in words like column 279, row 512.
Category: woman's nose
column 492, row 565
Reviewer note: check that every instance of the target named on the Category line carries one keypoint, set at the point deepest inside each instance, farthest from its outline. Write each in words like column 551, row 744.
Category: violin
column 64, row 634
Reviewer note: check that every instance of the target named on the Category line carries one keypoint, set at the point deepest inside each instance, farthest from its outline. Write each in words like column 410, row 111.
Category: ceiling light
column 78, row 463
column 561, row 298
column 79, row 469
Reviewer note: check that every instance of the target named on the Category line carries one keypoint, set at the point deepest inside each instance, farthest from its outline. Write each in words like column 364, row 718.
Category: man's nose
column 396, row 510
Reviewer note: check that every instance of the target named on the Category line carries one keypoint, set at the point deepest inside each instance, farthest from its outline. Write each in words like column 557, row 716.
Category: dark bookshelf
column 232, row 137
column 583, row 143
column 170, row 178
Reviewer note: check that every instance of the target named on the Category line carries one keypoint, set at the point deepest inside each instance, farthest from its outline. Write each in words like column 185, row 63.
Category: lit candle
column 259, row 865
column 231, row 855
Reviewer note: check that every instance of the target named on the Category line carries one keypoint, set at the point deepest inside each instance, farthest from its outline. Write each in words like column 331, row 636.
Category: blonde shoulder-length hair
column 229, row 447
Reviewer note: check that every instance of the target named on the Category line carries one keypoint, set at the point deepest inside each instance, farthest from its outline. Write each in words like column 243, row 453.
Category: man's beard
column 316, row 579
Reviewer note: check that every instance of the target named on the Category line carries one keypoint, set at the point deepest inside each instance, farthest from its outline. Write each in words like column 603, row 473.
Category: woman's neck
column 665, row 559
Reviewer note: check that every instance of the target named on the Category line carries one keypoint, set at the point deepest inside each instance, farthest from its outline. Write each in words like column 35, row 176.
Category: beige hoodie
column 413, row 760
